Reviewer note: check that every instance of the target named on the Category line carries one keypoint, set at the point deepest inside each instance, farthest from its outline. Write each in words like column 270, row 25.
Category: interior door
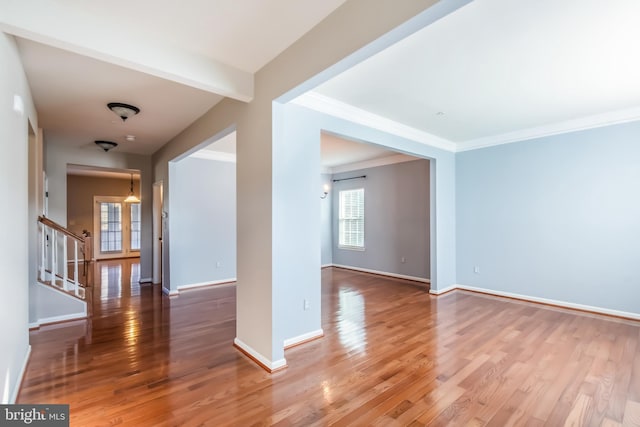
column 116, row 227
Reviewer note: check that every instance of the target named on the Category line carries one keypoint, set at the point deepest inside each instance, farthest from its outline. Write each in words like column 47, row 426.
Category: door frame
column 158, row 232
column 126, row 252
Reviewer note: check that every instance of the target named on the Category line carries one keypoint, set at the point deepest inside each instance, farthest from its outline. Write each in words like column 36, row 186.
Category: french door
column 116, row 227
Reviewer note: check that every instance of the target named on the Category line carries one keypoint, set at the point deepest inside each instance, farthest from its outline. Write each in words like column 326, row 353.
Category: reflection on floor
column 392, row 355
column 116, row 277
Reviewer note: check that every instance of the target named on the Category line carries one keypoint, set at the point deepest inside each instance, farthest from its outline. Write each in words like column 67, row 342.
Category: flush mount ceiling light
column 131, row 198
column 106, row 145
column 124, row 111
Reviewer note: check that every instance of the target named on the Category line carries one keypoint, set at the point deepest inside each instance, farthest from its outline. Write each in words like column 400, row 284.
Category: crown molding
column 214, row 155
column 575, row 125
column 366, row 164
column 333, row 107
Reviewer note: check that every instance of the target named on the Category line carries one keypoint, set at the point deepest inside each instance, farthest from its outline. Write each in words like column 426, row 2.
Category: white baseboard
column 203, row 284
column 300, row 339
column 326, row 265
column 382, row 273
column 259, row 358
column 20, row 377
column 145, row 280
column 444, row 290
column 63, row 318
column 170, row 292
column 546, row 301
column 35, row 325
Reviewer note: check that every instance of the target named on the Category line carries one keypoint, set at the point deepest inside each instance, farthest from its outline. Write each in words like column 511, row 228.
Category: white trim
column 203, row 284
column 333, row 107
column 326, row 265
column 259, row 357
column 290, row 342
column 366, row 164
column 35, row 325
column 145, row 280
column 20, row 377
column 553, row 302
column 214, row 155
column 589, row 122
column 383, row 273
column 442, row 291
column 63, row 318
column 170, row 292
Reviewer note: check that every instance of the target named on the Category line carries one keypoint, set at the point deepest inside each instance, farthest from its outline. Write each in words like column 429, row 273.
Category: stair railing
column 61, row 254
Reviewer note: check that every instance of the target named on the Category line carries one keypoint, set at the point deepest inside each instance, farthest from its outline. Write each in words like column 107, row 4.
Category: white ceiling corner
column 499, row 71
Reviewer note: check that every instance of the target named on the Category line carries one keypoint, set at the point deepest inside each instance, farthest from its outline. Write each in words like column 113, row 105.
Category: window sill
column 352, row 248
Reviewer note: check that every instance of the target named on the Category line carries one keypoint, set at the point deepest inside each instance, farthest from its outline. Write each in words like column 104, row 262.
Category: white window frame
column 354, row 214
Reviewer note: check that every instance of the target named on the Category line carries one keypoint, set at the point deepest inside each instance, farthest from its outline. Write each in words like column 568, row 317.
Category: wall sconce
column 326, row 191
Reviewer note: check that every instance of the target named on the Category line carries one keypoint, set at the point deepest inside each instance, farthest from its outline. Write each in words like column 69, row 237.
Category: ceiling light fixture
column 124, row 111
column 106, row 145
column 131, row 198
column 130, row 138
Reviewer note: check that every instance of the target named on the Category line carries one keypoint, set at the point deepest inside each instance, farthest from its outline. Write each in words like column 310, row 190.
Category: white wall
column 556, row 218
column 57, row 156
column 14, row 261
column 203, row 222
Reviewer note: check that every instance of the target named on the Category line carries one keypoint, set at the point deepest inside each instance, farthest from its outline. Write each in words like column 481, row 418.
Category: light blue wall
column 203, row 222
column 396, row 219
column 326, row 238
column 442, row 215
column 555, row 218
column 296, row 219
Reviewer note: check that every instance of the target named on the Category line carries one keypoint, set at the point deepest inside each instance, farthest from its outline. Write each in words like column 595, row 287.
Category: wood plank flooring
column 392, row 355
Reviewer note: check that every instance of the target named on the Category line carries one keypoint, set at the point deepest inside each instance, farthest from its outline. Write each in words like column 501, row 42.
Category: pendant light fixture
column 131, row 198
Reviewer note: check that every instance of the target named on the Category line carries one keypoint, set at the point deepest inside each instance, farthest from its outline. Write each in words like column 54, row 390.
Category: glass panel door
column 110, row 227
column 117, row 228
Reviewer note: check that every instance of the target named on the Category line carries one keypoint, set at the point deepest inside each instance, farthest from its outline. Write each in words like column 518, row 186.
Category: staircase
column 64, row 258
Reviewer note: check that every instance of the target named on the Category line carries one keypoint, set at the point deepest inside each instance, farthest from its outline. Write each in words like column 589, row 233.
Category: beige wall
column 80, row 193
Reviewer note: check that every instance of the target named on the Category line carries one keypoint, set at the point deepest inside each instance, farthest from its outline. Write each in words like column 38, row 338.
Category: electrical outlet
column 306, row 304
column 218, row 264
column 476, row 269
column 403, row 260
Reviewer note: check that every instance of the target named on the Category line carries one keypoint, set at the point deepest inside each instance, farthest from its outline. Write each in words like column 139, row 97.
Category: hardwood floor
column 392, row 355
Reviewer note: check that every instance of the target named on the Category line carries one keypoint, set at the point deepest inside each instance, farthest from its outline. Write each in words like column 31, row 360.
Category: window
column 135, row 226
column 351, row 219
column 110, row 227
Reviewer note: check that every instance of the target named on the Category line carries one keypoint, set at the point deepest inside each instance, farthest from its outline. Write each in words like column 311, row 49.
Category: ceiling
column 492, row 72
column 497, row 71
column 77, row 62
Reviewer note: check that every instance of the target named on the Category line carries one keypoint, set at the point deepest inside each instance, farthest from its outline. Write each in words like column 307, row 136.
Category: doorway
column 116, row 228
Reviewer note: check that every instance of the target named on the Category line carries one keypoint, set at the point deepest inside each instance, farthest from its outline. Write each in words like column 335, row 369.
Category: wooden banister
column 49, row 223
column 59, row 259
